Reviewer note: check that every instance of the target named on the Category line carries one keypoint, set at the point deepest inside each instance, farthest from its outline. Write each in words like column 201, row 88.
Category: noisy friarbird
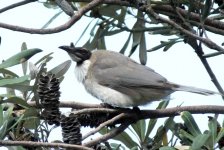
column 119, row 81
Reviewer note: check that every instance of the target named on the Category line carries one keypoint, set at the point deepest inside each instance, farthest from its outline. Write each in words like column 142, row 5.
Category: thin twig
column 104, row 124
column 60, row 28
column 41, row 144
column 207, row 42
column 16, row 5
column 107, row 136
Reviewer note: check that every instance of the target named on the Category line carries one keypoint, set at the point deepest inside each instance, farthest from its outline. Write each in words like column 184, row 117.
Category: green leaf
column 16, row 100
column 33, row 71
column 61, row 69
column 8, row 72
column 212, row 124
column 1, row 115
column 150, row 127
column 184, row 134
column 52, row 19
column 24, row 64
column 46, row 57
column 199, row 141
column 107, row 9
column 5, row 82
column 125, row 44
column 206, row 10
column 84, row 31
column 31, row 118
column 220, row 135
column 23, row 87
column 190, row 123
column 123, row 137
column 137, row 35
column 142, row 50
column 167, row 148
column 140, row 127
column 19, row 58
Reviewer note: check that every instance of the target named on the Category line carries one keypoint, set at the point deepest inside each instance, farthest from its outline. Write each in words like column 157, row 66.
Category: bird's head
column 77, row 54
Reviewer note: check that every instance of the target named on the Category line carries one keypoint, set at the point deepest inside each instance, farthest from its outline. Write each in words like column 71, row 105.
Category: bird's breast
column 82, row 70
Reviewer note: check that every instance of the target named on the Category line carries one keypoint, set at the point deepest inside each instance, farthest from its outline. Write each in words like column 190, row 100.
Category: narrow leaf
column 61, row 69
column 137, row 35
column 24, row 64
column 19, row 58
column 46, row 57
column 190, row 123
column 16, row 100
column 4, row 82
column 212, row 124
column 125, row 44
column 206, row 10
column 199, row 141
column 8, row 72
column 52, row 19
column 142, row 50
column 140, row 127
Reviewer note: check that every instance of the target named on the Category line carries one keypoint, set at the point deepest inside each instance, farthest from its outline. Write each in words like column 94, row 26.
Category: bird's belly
column 108, row 95
column 116, row 98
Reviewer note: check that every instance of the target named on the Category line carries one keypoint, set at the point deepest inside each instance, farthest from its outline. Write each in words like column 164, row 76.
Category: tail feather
column 194, row 90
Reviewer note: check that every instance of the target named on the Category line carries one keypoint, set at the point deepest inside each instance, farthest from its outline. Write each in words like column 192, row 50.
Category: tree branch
column 60, row 28
column 145, row 114
column 104, row 124
column 41, row 144
column 107, row 136
column 207, row 42
column 16, row 5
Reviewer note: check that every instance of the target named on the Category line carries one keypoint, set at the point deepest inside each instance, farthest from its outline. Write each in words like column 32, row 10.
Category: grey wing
column 129, row 77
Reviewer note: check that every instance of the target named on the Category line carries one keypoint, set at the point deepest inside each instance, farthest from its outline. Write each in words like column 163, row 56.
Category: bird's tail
column 193, row 90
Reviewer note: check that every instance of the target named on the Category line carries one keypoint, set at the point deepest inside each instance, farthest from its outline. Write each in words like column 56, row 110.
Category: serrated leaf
column 61, row 69
column 8, row 72
column 190, row 123
column 199, row 141
column 5, row 82
column 24, row 64
column 19, row 58
column 16, row 100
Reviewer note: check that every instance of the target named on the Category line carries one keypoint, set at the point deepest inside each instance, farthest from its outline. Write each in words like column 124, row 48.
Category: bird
column 119, row 81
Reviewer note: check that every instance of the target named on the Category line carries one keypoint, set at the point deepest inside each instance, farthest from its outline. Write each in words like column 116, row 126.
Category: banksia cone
column 48, row 90
column 71, row 130
column 92, row 119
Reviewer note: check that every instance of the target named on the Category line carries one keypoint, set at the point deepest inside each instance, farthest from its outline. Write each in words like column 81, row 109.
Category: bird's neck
column 81, row 70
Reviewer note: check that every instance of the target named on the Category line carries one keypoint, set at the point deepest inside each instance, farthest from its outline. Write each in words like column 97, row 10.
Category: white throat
column 81, row 70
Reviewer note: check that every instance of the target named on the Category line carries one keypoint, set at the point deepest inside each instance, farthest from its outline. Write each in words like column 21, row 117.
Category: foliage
column 185, row 21
column 18, row 120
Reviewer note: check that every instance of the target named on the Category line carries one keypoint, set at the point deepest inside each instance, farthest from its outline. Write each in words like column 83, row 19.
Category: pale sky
column 179, row 65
